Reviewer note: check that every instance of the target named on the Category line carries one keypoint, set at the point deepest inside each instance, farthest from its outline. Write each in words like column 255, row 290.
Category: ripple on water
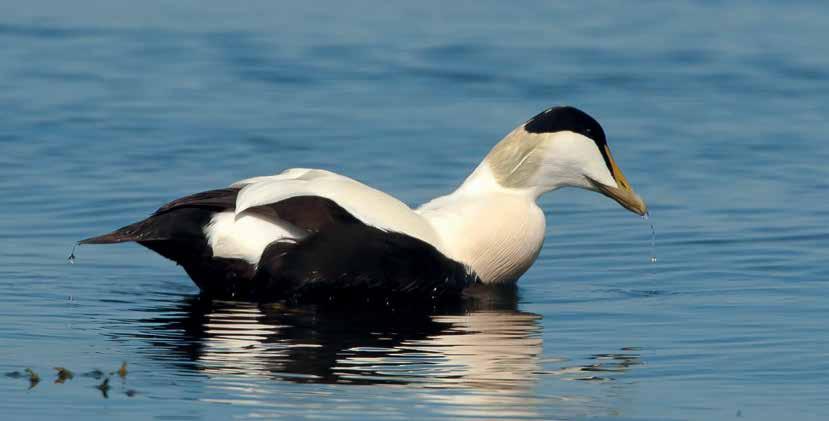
column 486, row 350
column 109, row 112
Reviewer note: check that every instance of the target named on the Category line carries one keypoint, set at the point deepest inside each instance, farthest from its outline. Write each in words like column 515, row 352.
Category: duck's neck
column 497, row 231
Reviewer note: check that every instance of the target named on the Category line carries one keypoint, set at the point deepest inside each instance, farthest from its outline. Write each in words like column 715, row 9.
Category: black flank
column 341, row 261
column 358, row 263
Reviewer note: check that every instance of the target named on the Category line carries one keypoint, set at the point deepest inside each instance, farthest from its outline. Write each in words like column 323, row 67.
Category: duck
column 314, row 236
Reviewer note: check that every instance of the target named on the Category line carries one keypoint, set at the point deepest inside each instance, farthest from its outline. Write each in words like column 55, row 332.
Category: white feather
column 289, row 174
column 495, row 228
column 246, row 236
column 369, row 205
column 497, row 231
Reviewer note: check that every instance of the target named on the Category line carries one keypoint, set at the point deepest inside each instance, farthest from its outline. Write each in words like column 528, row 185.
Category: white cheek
column 572, row 157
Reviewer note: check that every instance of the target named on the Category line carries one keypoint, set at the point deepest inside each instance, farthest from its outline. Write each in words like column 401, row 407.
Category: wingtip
column 113, row 237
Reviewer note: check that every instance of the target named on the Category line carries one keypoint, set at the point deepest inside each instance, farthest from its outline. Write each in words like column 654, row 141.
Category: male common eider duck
column 310, row 235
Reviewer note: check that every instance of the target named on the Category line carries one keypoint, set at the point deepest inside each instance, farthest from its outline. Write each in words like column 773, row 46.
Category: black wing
column 357, row 263
column 341, row 260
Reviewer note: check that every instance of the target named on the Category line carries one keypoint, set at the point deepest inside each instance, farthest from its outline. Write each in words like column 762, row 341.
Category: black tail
column 133, row 232
column 176, row 231
column 181, row 219
column 178, row 234
column 178, row 224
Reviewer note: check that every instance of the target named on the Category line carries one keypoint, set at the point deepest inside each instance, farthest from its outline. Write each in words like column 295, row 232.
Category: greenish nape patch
column 516, row 159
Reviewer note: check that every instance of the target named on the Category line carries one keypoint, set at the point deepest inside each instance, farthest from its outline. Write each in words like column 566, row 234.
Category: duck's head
column 561, row 147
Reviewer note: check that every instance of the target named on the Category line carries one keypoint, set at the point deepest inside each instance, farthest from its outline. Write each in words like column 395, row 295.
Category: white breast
column 496, row 230
column 498, row 234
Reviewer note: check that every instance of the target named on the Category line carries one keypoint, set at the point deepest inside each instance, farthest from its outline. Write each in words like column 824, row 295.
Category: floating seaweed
column 63, row 375
column 104, row 388
column 122, row 372
column 34, row 379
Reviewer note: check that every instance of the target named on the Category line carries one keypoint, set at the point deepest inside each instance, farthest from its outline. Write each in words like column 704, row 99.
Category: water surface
column 716, row 112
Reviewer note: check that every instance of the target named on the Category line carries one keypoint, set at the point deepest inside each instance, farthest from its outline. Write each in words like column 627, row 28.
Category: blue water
column 717, row 112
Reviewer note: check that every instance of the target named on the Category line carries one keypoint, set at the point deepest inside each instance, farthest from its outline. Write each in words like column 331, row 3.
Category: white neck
column 497, row 231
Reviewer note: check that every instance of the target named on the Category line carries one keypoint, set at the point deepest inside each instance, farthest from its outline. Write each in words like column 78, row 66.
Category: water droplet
column 646, row 217
column 71, row 258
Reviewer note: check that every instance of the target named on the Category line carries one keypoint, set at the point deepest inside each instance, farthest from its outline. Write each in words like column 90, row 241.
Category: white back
column 371, row 206
column 243, row 234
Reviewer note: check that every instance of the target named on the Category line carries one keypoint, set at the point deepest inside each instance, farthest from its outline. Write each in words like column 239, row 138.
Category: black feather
column 219, row 199
column 567, row 118
column 341, row 260
column 176, row 231
column 311, row 213
column 359, row 263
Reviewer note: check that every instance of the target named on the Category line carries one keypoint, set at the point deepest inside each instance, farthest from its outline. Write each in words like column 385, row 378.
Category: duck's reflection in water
column 483, row 344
